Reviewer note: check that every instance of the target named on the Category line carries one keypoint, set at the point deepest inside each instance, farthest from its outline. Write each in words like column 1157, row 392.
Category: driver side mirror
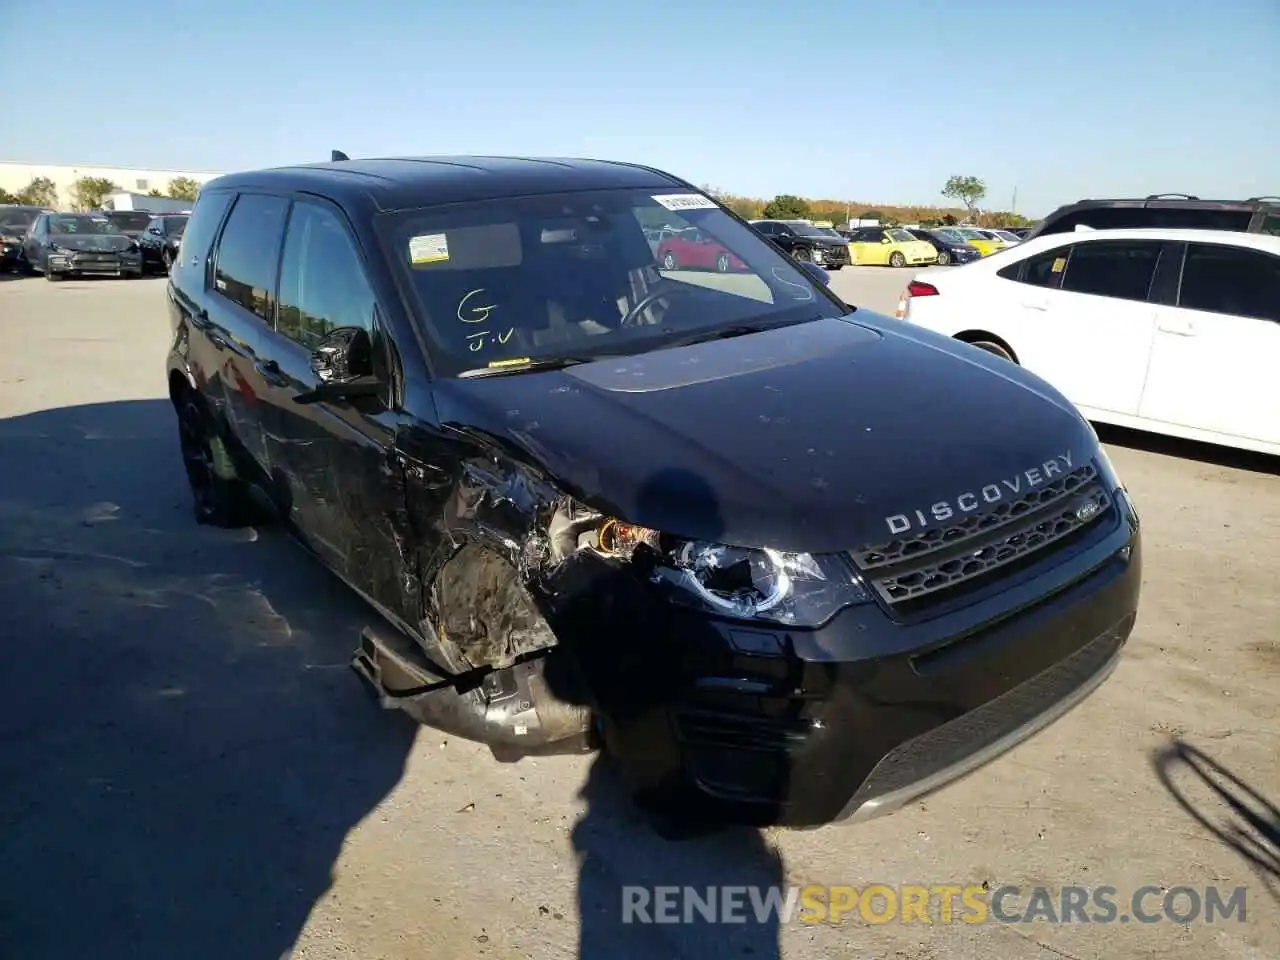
column 343, row 365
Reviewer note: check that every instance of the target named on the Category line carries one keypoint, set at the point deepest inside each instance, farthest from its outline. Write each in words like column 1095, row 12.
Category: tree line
column 88, row 193
column 968, row 190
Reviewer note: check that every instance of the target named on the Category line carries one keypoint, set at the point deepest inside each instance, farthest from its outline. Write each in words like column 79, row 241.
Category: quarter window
column 1042, row 270
column 1120, row 269
column 322, row 282
column 245, row 272
column 1231, row 280
column 1270, row 225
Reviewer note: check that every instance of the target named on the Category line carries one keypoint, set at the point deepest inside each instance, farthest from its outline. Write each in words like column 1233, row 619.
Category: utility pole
column 1013, row 207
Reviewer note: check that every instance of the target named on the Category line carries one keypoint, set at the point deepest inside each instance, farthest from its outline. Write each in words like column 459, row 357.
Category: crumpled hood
column 92, row 242
column 805, row 438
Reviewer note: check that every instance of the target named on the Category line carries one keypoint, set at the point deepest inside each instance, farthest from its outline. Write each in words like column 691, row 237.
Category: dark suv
column 786, row 562
column 1177, row 210
column 807, row 243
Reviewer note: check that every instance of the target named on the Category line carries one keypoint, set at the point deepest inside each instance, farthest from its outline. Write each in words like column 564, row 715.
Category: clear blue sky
column 849, row 99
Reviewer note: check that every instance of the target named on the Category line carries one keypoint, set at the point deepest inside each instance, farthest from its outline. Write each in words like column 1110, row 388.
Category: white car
column 1169, row 330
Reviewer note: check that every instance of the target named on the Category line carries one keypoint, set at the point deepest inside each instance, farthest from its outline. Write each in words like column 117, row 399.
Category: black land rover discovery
column 1166, row 210
column 787, row 562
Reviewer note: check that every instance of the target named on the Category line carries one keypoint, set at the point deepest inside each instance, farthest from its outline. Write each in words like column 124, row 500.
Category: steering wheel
column 643, row 304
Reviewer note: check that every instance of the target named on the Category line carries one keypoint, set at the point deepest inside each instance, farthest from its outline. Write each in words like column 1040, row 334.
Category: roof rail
column 1262, row 199
column 1171, row 196
column 336, row 155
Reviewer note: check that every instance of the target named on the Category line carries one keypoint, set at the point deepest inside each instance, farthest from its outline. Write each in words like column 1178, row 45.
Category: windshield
column 575, row 274
column 128, row 220
column 1006, row 235
column 899, row 236
column 973, row 234
column 81, row 223
column 17, row 220
column 949, row 236
column 808, row 229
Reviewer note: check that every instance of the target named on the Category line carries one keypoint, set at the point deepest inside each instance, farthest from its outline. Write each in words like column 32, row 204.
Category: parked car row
column 123, row 243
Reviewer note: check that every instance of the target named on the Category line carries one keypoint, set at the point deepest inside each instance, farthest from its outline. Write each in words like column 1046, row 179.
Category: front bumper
column 867, row 713
column 109, row 264
column 834, row 256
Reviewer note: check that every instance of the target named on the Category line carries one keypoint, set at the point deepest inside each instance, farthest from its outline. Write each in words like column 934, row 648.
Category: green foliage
column 183, row 188
column 871, row 215
column 87, row 193
column 785, row 206
column 7, row 197
column 40, row 192
column 154, row 193
column 968, row 190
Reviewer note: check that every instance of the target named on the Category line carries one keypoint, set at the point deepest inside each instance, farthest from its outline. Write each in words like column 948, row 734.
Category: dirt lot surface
column 188, row 768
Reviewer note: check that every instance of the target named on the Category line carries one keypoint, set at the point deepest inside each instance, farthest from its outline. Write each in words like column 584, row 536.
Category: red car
column 692, row 249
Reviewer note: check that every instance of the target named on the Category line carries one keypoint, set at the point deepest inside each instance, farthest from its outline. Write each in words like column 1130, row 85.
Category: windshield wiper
column 738, row 330
column 501, row 368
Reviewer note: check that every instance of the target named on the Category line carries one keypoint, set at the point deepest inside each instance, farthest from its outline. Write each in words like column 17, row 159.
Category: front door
column 331, row 461
column 1214, row 360
column 1083, row 321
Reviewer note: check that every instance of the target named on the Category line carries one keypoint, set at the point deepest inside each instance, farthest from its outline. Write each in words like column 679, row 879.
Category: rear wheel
column 221, row 500
column 896, row 259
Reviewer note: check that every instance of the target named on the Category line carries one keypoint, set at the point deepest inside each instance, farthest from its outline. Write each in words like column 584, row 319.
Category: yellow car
column 984, row 240
column 891, row 245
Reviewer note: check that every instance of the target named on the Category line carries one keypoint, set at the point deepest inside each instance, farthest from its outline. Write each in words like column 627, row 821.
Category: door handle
column 1179, row 328
column 270, row 372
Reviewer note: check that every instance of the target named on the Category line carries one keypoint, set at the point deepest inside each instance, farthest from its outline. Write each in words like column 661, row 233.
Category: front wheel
column 803, row 255
column 167, row 259
column 944, row 258
column 896, row 259
column 669, row 261
column 51, row 276
column 722, row 263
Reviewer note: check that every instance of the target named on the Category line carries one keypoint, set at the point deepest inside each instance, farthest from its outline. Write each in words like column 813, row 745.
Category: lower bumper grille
column 951, row 743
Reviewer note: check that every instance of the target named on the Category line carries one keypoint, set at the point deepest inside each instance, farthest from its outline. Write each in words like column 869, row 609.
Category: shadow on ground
column 1188, row 449
column 182, row 746
column 1234, row 812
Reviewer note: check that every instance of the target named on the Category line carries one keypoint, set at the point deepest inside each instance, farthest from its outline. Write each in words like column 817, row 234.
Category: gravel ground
column 187, row 767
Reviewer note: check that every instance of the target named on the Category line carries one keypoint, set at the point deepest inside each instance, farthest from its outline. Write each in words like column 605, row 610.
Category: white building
column 15, row 176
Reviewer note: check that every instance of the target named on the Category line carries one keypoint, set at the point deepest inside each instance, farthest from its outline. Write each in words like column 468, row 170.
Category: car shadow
column 183, row 747
column 1188, row 449
column 1238, row 815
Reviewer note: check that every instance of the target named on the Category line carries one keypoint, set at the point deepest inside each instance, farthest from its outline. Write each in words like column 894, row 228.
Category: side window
column 768, row 229
column 1271, row 225
column 1231, row 280
column 245, row 268
column 1042, row 270
column 1121, row 269
column 322, row 282
column 206, row 216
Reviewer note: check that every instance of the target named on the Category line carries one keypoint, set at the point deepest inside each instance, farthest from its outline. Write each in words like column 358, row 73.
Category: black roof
column 405, row 182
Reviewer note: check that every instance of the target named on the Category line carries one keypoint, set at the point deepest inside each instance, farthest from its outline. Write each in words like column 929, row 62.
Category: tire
column 167, row 259
column 669, row 261
column 993, row 348
column 220, row 500
column 802, row 254
column 51, row 276
column 944, row 258
column 896, row 259
column 722, row 263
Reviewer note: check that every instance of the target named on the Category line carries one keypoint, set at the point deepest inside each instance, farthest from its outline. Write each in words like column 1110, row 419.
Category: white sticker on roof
column 429, row 248
column 685, row 201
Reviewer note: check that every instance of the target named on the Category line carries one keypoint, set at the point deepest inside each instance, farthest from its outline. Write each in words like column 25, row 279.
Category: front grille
column 949, row 744
column 835, row 254
column 934, row 563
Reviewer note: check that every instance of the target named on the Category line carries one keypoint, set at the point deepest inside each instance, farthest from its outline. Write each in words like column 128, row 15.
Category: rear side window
column 1271, row 225
column 206, row 217
column 1232, row 280
column 1120, row 269
column 322, row 281
column 245, row 270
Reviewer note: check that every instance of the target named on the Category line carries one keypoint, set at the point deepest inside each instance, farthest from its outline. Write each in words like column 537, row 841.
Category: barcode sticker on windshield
column 685, row 201
column 429, row 248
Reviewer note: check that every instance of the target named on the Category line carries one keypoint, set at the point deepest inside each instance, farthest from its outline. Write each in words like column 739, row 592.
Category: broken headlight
column 749, row 584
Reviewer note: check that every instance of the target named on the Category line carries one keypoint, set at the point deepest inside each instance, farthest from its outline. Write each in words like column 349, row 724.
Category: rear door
column 1081, row 318
column 1217, row 345
column 241, row 306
